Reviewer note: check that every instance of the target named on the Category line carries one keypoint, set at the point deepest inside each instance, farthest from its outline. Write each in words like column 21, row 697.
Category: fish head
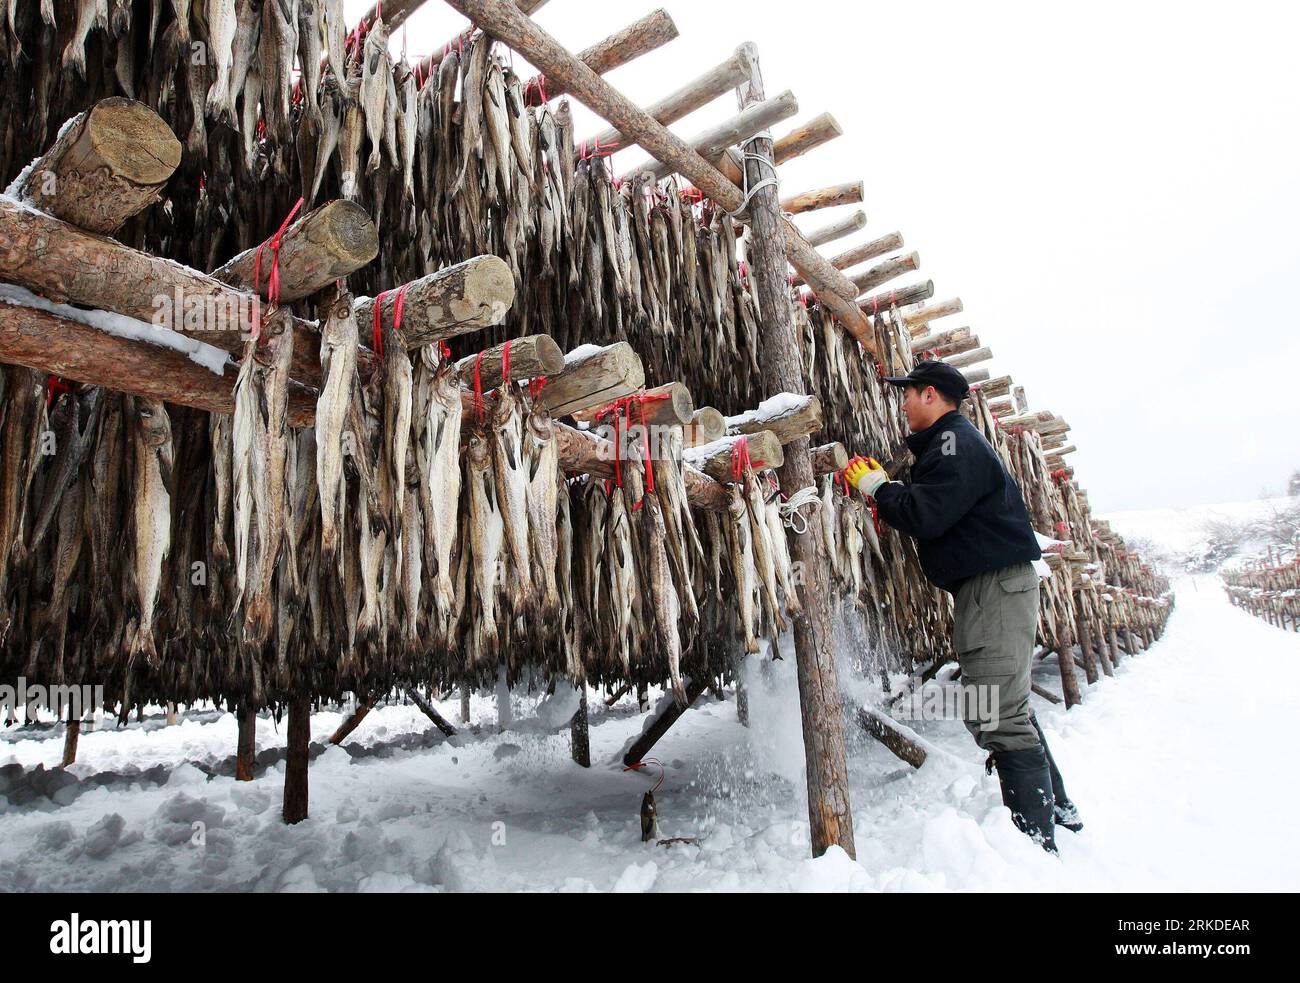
column 155, row 425
column 540, row 424
column 478, row 454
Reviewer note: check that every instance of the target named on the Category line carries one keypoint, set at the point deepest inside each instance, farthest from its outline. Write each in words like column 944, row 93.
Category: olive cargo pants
column 994, row 624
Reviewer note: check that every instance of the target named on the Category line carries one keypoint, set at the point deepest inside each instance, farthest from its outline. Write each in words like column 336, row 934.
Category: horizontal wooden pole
column 107, row 164
column 593, row 376
column 829, row 458
column 717, row 459
column 917, row 319
column 707, row 424
column 529, row 357
column 668, row 405
column 713, row 141
column 469, row 296
column 70, row 349
column 817, row 131
column 995, row 387
column 320, row 247
column 939, row 339
column 584, row 452
column 882, row 273
column 787, row 415
column 864, row 252
column 966, row 359
column 652, row 31
column 897, row 298
column 838, row 229
column 851, row 193
column 975, row 375
column 693, row 95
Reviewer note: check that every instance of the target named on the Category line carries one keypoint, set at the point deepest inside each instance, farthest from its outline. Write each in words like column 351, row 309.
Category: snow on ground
column 1178, row 765
column 1183, row 531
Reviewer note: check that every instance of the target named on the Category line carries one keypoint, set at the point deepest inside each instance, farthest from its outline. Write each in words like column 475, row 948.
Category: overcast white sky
column 1111, row 188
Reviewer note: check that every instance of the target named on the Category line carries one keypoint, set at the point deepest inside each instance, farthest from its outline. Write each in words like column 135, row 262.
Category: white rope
column 773, row 181
column 792, row 513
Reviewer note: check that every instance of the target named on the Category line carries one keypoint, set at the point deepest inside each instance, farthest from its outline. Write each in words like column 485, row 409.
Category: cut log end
column 133, row 140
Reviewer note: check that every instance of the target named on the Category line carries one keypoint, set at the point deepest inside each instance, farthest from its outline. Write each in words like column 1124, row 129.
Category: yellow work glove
column 865, row 474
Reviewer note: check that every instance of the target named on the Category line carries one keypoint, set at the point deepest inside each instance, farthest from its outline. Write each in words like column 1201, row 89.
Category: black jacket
column 964, row 509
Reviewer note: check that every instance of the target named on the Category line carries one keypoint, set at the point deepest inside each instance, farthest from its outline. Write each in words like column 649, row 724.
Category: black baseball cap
column 941, row 375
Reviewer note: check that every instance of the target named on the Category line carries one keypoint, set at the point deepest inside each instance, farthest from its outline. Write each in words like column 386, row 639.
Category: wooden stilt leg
column 428, row 710
column 579, row 734
column 246, row 748
column 660, row 726
column 348, row 726
column 295, row 766
column 70, row 742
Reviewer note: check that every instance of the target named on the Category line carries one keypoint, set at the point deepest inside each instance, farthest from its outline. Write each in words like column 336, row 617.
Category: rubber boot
column 1064, row 812
column 1027, row 792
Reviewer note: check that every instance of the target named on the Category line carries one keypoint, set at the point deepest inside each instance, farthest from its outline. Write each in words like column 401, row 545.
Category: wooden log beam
column 664, row 406
column 917, row 320
column 711, row 143
column 71, row 349
column 659, row 727
column 428, row 710
column 1022, row 402
column 817, row 131
column 583, row 452
column 851, row 193
column 707, row 424
column 829, row 458
column 975, row 375
column 690, row 97
column 838, row 229
column 896, row 298
column 295, row 764
column 654, row 30
column 593, row 377
column 882, row 273
column 717, row 459
column 787, row 415
column 477, row 293
column 995, row 387
column 939, row 339
column 430, row 62
column 318, row 248
column 107, row 164
column 530, row 356
column 353, row 721
column 967, row 359
column 862, row 253
column 883, row 729
column 504, row 21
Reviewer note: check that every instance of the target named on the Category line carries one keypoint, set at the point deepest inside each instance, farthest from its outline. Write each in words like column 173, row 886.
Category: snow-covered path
column 1180, row 766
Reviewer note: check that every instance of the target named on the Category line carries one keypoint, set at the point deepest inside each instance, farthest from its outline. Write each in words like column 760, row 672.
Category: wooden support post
column 799, row 141
column 851, row 193
column 579, row 733
column 107, row 164
column 1045, row 693
column 531, row 356
column 838, row 229
column 429, row 711
column 829, row 813
column 786, row 415
column 464, row 703
column 650, row 736
column 171, row 714
column 690, row 97
column 246, row 743
column 504, row 21
column 1085, row 639
column 320, row 247
column 882, row 728
column 353, row 721
column 295, row 764
column 477, row 293
column 1114, row 645
column 713, row 142
column 1065, row 662
column 70, row 737
column 654, row 30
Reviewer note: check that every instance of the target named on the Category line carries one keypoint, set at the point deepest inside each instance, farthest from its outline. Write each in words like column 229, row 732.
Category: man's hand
column 865, row 474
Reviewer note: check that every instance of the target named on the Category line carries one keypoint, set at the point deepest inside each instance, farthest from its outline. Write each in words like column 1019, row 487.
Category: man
column 975, row 541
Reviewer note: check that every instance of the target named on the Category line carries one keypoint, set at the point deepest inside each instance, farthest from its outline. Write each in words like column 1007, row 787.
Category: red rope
column 55, row 386
column 638, row 765
column 273, row 281
column 478, row 385
column 505, row 363
column 621, row 411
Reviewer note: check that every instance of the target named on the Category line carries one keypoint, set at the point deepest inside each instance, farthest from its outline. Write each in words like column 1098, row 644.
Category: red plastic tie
column 505, row 362
column 478, row 385
column 638, row 765
column 55, row 386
